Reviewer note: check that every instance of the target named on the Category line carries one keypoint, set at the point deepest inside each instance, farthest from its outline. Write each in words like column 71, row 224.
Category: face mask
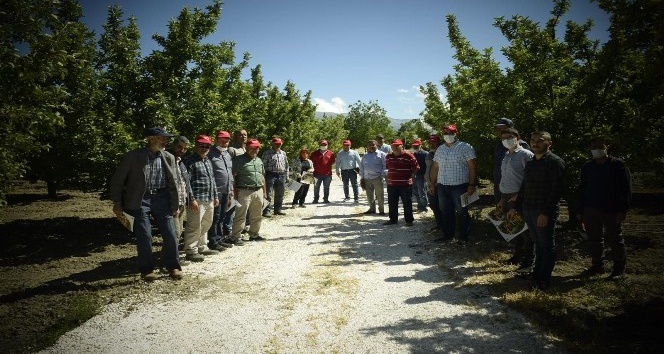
column 322, row 147
column 509, row 143
column 449, row 138
column 598, row 154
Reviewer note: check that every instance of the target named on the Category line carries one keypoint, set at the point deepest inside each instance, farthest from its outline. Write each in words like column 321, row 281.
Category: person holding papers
column 302, row 170
column 454, row 169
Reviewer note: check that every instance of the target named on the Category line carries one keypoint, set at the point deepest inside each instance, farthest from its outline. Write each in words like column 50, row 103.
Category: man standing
column 144, row 185
column 372, row 172
column 401, row 166
column 604, row 195
column 179, row 148
column 419, row 183
column 455, row 170
column 276, row 177
column 348, row 161
column 222, row 164
column 513, row 168
column 249, row 177
column 434, row 143
column 382, row 145
column 539, row 197
column 323, row 160
column 240, row 143
column 499, row 152
column 202, row 201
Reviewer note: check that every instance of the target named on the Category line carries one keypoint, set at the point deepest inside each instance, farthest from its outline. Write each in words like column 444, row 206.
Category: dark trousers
column 449, row 200
column 435, row 207
column 602, row 226
column 349, row 176
column 301, row 194
column 159, row 206
column 275, row 184
column 523, row 246
column 544, row 239
column 406, row 195
column 219, row 227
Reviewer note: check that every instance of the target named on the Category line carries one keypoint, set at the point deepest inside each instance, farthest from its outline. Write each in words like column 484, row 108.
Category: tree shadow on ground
column 39, row 241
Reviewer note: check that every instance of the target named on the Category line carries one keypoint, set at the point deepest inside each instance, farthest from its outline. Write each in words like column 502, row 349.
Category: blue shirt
column 222, row 164
column 373, row 166
column 513, row 168
column 347, row 160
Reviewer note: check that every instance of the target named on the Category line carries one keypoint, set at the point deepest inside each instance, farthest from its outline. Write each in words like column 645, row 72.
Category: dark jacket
column 606, row 186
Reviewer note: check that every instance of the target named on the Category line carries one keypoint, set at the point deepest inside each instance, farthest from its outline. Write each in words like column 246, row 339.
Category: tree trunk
column 52, row 188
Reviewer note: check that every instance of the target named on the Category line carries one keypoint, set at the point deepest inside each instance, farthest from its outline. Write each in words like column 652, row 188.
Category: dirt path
column 328, row 280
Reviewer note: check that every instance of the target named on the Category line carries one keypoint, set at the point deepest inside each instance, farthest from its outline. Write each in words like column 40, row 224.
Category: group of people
column 223, row 192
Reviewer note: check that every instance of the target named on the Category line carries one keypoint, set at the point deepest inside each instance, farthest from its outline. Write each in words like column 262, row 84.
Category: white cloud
column 402, row 90
column 335, row 105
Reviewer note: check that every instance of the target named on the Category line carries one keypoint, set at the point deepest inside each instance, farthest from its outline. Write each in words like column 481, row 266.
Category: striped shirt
column 400, row 169
column 453, row 163
column 275, row 161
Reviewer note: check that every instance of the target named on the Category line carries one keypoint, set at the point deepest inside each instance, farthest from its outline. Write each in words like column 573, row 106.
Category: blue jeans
column 218, row 227
column 276, row 183
column 544, row 239
column 349, row 176
column 325, row 180
column 406, row 195
column 420, row 192
column 159, row 206
column 449, row 199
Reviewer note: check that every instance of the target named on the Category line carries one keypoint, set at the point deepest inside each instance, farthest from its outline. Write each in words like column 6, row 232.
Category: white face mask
column 509, row 143
column 449, row 138
column 323, row 147
column 598, row 154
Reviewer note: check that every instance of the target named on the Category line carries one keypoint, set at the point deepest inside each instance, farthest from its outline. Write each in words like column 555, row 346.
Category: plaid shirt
column 201, row 178
column 275, row 161
column 154, row 177
column 542, row 184
column 453, row 163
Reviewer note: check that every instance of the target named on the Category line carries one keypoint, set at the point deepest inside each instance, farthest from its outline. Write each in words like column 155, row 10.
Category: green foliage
column 366, row 120
column 331, row 129
column 412, row 130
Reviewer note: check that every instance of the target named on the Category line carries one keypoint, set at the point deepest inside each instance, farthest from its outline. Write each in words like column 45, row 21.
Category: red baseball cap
column 253, row 143
column 417, row 142
column 397, row 142
column 346, row 142
column 203, row 139
column 450, row 128
column 223, row 134
column 277, row 141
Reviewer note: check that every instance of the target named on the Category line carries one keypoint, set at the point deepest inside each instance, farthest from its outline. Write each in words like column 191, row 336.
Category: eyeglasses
column 204, row 146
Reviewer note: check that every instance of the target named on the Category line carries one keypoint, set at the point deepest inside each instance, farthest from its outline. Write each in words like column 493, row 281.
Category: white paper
column 468, row 199
column 127, row 221
column 507, row 237
column 233, row 204
column 294, row 185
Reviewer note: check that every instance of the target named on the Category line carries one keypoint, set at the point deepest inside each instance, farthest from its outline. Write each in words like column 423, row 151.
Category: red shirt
column 323, row 162
column 400, row 169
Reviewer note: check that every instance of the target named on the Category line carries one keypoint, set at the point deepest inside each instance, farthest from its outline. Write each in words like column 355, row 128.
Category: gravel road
column 327, row 280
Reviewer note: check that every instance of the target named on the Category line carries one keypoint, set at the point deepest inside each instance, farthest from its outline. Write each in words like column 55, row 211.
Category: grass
column 79, row 309
column 588, row 314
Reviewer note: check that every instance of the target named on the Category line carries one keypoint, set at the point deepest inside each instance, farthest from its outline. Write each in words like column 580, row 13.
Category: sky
column 345, row 51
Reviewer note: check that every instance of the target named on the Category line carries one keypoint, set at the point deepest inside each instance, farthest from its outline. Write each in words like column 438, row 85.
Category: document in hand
column 233, row 204
column 294, row 185
column 468, row 199
column 127, row 221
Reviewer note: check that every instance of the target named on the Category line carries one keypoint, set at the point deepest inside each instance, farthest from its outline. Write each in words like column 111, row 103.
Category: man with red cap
column 202, row 201
column 276, row 177
column 401, row 166
column 347, row 167
column 323, row 160
column 222, row 163
column 419, row 184
column 249, row 178
column 455, row 171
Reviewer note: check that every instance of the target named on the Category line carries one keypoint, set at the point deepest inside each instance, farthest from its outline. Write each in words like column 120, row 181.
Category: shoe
column 257, row 238
column 195, row 257
column 236, row 241
column 218, row 247
column 175, row 274
column 227, row 242
column 594, row 270
column 302, row 206
column 244, row 231
column 279, row 213
column 293, row 205
column 616, row 274
column 381, row 213
column 514, row 260
column 326, row 201
column 356, row 201
column 149, row 277
column 369, row 212
column 409, row 223
column 390, row 222
column 267, row 215
column 315, row 201
column 525, row 268
column 461, row 243
column 210, row 252
column 346, row 199
column 540, row 285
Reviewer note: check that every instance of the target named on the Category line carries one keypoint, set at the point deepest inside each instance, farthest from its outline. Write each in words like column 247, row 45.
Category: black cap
column 156, row 131
column 504, row 121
